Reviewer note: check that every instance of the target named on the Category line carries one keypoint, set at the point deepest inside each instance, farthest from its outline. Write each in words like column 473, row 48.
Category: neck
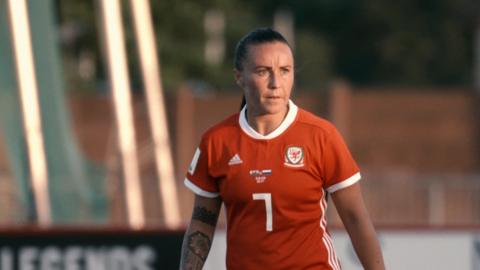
column 265, row 123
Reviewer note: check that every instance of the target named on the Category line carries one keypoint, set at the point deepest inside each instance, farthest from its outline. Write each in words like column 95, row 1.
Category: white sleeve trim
column 345, row 183
column 197, row 190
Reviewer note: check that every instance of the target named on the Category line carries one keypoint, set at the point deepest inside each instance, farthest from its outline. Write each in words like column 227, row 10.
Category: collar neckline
column 287, row 122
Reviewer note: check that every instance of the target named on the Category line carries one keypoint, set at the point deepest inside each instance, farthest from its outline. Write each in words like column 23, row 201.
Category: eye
column 261, row 72
column 284, row 71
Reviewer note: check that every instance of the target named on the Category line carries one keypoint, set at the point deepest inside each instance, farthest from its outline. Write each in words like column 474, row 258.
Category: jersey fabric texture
column 275, row 188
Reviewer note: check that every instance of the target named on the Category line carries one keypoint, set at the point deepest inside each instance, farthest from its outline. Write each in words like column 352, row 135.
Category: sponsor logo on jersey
column 235, row 160
column 193, row 164
column 260, row 175
column 294, row 156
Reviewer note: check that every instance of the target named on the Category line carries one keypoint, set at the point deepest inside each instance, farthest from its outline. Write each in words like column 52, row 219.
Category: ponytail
column 244, row 102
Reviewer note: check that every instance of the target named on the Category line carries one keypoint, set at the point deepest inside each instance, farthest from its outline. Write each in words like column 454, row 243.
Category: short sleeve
column 198, row 177
column 339, row 168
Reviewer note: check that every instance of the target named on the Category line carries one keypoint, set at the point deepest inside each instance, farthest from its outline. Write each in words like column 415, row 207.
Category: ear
column 238, row 77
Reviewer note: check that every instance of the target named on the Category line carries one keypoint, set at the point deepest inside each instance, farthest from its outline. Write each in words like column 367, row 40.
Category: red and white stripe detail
column 327, row 240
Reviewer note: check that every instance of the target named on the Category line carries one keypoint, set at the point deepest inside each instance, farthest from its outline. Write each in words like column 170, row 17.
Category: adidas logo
column 235, row 160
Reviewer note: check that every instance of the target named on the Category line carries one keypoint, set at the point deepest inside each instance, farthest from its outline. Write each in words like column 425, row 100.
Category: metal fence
column 402, row 199
column 393, row 199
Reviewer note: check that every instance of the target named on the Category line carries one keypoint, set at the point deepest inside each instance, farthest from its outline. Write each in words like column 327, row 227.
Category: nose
column 273, row 82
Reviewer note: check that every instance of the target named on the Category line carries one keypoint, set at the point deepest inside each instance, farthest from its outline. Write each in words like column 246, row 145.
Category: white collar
column 289, row 119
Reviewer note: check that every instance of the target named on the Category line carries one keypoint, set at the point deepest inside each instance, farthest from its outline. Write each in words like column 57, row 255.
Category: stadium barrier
column 439, row 248
column 89, row 249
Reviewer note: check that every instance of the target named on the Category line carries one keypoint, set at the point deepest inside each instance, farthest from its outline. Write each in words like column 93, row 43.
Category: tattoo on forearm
column 199, row 244
column 204, row 215
column 195, row 251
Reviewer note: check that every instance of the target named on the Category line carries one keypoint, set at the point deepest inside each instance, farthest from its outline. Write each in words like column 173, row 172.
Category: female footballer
column 274, row 165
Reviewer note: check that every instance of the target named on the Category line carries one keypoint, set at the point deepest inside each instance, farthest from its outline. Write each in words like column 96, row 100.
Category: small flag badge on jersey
column 260, row 175
column 294, row 156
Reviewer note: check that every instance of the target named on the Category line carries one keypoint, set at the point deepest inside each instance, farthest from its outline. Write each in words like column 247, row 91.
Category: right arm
column 199, row 235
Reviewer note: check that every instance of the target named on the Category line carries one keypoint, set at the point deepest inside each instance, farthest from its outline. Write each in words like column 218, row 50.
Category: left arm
column 354, row 215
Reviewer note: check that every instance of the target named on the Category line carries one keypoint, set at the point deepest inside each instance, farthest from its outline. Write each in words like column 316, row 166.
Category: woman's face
column 267, row 77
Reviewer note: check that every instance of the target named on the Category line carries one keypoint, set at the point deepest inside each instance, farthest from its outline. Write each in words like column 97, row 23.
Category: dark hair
column 255, row 37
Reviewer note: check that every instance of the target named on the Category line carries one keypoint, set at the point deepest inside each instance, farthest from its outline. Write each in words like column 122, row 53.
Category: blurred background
column 401, row 80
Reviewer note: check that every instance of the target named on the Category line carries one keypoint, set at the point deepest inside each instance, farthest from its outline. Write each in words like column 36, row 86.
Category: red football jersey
column 274, row 188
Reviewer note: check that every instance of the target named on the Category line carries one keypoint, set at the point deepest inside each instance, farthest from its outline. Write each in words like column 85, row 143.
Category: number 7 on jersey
column 267, row 197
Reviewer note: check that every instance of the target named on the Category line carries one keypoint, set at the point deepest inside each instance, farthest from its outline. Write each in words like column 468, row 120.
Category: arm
column 199, row 235
column 352, row 211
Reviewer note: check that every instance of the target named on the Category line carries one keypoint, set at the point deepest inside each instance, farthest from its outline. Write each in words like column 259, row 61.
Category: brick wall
column 421, row 131
column 405, row 132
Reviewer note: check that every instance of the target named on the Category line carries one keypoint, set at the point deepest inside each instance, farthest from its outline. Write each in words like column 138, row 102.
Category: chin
column 274, row 107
